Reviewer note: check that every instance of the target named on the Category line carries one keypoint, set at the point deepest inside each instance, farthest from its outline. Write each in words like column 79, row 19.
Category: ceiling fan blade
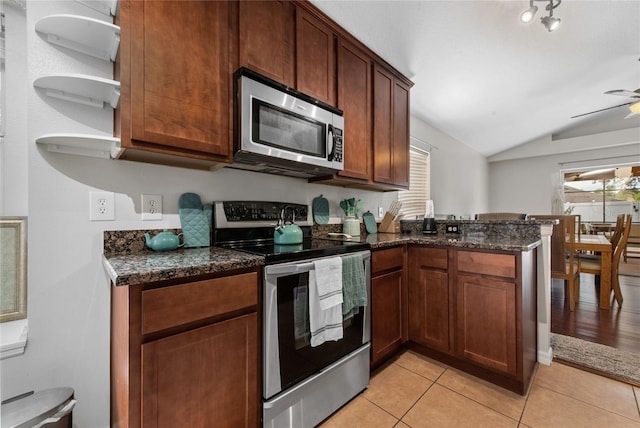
column 603, row 109
column 624, row 93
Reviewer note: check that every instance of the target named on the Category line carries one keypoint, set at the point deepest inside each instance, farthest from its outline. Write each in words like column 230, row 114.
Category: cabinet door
column 315, row 57
column 354, row 99
column 267, row 38
column 202, row 378
column 180, row 76
column 382, row 125
column 429, row 298
column 386, row 314
column 390, row 129
column 400, row 134
column 486, row 322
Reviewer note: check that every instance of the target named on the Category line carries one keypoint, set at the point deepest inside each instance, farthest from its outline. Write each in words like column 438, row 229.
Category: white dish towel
column 325, row 301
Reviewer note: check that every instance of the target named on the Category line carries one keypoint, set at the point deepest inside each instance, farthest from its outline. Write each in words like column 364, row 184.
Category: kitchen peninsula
column 469, row 300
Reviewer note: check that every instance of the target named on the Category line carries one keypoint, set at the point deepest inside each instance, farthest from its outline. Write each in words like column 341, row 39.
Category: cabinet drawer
column 387, row 259
column 176, row 305
column 431, row 257
column 503, row 265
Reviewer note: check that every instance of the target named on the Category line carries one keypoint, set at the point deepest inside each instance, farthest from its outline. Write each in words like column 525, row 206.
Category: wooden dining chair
column 593, row 265
column 565, row 260
column 615, row 238
column 617, row 233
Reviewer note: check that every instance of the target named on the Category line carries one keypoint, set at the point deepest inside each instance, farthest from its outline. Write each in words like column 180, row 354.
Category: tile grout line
column 592, row 405
column 458, row 393
column 482, row 404
column 433, row 382
column 416, row 402
column 635, row 395
column 532, row 383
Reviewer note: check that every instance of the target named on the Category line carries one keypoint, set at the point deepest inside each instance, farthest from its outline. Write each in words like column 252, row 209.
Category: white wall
column 534, row 184
column 459, row 174
column 13, row 192
column 68, row 290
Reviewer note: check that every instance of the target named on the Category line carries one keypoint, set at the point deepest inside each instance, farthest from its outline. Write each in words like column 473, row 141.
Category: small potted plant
column 351, row 208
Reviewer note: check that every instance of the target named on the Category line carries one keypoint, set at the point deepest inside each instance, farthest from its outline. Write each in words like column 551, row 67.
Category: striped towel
column 325, row 301
column 354, row 287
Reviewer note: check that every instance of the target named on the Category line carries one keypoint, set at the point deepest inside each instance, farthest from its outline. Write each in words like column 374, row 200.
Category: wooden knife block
column 388, row 225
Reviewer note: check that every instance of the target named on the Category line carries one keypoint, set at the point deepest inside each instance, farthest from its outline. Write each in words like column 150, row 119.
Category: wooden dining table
column 599, row 244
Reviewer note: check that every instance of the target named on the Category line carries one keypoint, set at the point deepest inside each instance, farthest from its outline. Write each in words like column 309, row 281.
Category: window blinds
column 414, row 199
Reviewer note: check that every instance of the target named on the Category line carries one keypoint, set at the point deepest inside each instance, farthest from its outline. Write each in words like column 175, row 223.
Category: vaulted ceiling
column 491, row 82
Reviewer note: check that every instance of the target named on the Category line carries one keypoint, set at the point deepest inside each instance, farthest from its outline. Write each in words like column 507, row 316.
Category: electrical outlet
column 380, row 212
column 452, row 228
column 151, row 207
column 102, row 206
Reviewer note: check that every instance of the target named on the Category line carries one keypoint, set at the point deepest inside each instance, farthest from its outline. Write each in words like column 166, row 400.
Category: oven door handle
column 288, row 269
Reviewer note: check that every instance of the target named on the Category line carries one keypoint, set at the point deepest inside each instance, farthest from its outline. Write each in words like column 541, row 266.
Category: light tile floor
column 415, row 391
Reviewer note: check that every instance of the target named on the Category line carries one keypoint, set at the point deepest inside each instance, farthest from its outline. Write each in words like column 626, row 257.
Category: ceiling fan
column 634, row 106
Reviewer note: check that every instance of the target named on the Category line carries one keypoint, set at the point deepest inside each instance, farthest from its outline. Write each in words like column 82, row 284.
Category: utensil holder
column 351, row 226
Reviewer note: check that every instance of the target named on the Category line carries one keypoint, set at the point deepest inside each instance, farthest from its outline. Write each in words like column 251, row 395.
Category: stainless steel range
column 305, row 376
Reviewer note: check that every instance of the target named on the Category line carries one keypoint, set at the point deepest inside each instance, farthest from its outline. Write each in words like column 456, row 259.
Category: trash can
column 51, row 408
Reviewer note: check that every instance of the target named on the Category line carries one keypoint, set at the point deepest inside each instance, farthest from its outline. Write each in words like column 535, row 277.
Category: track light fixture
column 549, row 21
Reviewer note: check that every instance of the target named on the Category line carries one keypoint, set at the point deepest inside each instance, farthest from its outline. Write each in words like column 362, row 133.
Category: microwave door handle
column 332, row 141
column 289, row 269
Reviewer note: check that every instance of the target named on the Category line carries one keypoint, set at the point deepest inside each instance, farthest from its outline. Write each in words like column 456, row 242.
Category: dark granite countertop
column 504, row 243
column 127, row 262
column 147, row 266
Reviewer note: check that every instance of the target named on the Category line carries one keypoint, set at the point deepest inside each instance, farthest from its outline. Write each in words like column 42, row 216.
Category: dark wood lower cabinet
column 186, row 353
column 475, row 310
column 486, row 324
column 203, row 377
column 429, row 298
column 388, row 289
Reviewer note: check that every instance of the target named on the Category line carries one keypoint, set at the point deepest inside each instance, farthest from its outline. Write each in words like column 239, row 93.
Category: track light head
column 550, row 22
column 527, row 15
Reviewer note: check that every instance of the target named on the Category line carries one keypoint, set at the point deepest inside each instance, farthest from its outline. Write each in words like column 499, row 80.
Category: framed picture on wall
column 13, row 268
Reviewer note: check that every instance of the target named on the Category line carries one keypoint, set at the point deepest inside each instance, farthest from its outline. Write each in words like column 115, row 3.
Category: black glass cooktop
column 308, row 249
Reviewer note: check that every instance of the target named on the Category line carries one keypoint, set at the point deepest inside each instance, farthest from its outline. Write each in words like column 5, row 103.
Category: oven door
column 288, row 356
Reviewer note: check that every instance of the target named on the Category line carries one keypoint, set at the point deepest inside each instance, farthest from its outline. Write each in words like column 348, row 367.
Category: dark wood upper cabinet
column 267, row 38
column 176, row 65
column 315, row 57
column 401, row 133
column 390, row 128
column 175, row 75
column 354, row 99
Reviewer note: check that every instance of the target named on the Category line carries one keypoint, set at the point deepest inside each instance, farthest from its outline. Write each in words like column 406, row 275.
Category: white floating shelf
column 80, row 33
column 108, row 7
column 81, row 88
column 96, row 146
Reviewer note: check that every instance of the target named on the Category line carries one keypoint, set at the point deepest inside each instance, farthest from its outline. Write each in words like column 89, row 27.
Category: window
column 414, row 200
column 599, row 195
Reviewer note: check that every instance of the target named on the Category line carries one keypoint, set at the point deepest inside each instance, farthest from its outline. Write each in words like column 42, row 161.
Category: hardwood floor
column 618, row 327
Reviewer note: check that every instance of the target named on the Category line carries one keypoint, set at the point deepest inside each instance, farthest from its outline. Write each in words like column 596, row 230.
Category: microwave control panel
column 337, row 145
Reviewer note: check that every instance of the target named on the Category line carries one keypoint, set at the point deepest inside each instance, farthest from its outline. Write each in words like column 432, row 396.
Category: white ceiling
column 493, row 83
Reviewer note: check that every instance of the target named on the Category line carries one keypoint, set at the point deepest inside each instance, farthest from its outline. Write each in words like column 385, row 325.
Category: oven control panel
column 257, row 211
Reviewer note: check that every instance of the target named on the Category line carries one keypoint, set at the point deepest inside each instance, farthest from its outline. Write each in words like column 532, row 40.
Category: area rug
column 600, row 359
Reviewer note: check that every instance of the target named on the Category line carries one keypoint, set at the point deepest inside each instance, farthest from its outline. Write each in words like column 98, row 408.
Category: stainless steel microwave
column 282, row 131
